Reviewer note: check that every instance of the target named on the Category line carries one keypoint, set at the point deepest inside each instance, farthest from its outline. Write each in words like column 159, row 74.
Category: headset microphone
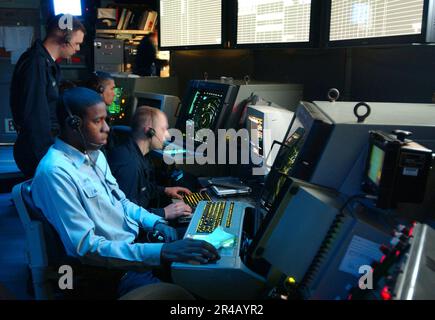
column 95, row 145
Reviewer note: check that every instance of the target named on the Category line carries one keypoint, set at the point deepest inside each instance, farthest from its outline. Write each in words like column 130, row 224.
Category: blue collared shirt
column 79, row 197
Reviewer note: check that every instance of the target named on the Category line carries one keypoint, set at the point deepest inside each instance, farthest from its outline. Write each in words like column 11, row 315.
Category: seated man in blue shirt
column 75, row 189
column 133, row 169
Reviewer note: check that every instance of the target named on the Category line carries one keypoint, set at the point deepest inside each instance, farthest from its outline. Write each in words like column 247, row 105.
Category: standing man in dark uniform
column 35, row 91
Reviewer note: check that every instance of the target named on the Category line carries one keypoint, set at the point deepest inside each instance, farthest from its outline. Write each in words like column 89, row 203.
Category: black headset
column 150, row 133
column 99, row 88
column 74, row 121
column 68, row 36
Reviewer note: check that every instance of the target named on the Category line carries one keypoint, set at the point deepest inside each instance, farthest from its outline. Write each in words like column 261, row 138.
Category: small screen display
column 377, row 157
column 282, row 167
column 256, row 125
column 73, row 7
column 115, row 108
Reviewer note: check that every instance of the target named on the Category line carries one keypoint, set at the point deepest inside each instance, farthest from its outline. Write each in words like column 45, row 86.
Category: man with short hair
column 35, row 89
column 104, row 84
column 74, row 188
column 131, row 164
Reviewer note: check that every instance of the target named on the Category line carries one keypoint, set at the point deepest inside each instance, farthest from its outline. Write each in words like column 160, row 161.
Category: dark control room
column 270, row 151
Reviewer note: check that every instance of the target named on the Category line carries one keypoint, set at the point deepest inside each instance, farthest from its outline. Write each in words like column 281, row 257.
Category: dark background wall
column 396, row 74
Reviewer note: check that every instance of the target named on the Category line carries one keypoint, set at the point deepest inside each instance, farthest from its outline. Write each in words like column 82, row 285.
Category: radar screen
column 282, row 167
column 204, row 109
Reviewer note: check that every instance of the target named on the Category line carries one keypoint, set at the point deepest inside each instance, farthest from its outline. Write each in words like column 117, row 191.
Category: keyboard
column 229, row 269
column 212, row 216
column 193, row 199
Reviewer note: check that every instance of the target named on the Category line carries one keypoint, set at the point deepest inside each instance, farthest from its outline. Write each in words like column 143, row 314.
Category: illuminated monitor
column 206, row 105
column 377, row 157
column 166, row 103
column 396, row 169
column 300, row 150
column 204, row 109
column 186, row 24
column 73, row 7
column 118, row 112
column 365, row 22
column 265, row 125
column 256, row 123
column 274, row 23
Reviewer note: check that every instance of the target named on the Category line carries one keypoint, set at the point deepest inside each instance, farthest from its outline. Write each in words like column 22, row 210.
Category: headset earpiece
column 73, row 121
column 68, row 36
column 97, row 82
column 150, row 133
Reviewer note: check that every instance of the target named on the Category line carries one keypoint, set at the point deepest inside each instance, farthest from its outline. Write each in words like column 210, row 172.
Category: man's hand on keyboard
column 177, row 192
column 190, row 251
column 176, row 210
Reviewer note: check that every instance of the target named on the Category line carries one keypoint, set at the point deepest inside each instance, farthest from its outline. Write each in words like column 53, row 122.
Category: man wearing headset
column 104, row 84
column 132, row 167
column 35, row 89
column 74, row 188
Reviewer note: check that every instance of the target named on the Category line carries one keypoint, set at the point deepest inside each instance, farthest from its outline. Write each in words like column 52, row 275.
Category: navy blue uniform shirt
column 33, row 99
column 135, row 175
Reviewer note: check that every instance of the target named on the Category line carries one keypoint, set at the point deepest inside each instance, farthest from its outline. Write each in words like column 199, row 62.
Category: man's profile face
column 95, row 127
column 71, row 48
column 161, row 127
column 109, row 92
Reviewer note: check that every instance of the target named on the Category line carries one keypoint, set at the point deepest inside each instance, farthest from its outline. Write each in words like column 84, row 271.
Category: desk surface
column 251, row 198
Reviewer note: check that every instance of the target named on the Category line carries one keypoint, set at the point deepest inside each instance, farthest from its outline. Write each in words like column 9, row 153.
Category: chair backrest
column 38, row 233
column 46, row 254
column 118, row 135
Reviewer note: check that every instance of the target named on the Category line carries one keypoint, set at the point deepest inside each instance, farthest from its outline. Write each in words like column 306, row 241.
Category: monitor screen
column 73, row 7
column 119, row 111
column 115, row 107
column 206, row 105
column 273, row 21
column 155, row 103
column 358, row 19
column 292, row 146
column 256, row 124
column 282, row 167
column 204, row 109
column 190, row 23
column 376, row 163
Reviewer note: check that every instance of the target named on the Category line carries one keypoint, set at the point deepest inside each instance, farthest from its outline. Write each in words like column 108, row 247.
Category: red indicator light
column 411, row 230
column 397, row 253
column 385, row 294
column 383, row 258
